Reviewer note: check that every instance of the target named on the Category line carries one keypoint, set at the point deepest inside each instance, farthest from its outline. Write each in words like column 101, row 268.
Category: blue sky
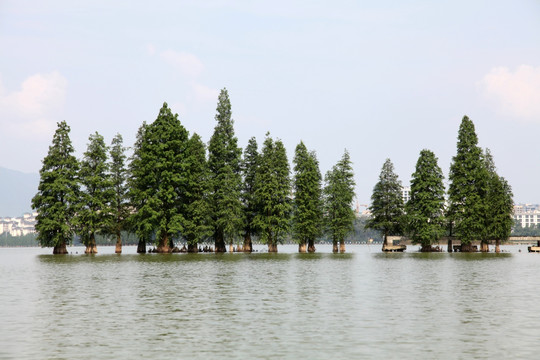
column 384, row 79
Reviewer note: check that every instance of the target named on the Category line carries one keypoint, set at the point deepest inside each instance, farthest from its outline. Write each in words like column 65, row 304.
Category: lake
column 363, row 304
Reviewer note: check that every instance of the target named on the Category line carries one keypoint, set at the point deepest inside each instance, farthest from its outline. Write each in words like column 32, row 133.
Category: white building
column 527, row 214
column 18, row 226
column 406, row 193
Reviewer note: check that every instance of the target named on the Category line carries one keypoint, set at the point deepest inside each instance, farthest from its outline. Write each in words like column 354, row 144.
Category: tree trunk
column 450, row 247
column 141, row 247
column 425, row 248
column 91, row 247
column 302, row 247
column 342, row 246
column 248, row 246
column 484, row 246
column 231, row 248
column 497, row 246
column 334, row 246
column 60, row 249
column 220, row 244
column 118, row 249
column 311, row 246
column 466, row 247
column 272, row 247
column 164, row 244
column 193, row 248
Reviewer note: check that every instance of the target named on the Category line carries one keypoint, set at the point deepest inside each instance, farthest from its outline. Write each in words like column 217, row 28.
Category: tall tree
column 160, row 179
column 139, row 178
column 119, row 205
column 93, row 213
column 273, row 194
column 499, row 203
column 338, row 198
column 425, row 209
column 387, row 208
column 250, row 164
column 468, row 188
column 307, row 203
column 197, row 211
column 224, row 158
column 56, row 199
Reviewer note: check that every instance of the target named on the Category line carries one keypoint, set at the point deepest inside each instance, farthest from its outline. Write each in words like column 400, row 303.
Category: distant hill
column 16, row 192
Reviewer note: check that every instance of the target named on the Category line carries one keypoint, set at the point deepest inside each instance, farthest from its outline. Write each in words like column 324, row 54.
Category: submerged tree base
column 91, row 249
column 60, row 249
column 430, row 248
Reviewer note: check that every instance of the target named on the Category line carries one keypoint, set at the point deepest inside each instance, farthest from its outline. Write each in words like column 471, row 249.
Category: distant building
column 527, row 214
column 18, row 226
column 406, row 193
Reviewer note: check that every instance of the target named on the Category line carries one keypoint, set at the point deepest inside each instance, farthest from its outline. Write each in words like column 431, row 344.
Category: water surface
column 362, row 304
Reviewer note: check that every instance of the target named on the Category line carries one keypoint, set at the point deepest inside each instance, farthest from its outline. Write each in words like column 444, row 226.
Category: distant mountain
column 16, row 192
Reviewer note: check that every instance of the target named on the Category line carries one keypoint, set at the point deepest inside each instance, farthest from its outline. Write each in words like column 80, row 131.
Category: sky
column 382, row 79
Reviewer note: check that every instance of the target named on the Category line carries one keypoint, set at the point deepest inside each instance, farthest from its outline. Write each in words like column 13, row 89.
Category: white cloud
column 188, row 64
column 517, row 92
column 204, row 94
column 33, row 110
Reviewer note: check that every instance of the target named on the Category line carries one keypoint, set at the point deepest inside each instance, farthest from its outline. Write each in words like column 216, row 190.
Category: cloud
column 188, row 64
column 204, row 94
column 33, row 110
column 517, row 92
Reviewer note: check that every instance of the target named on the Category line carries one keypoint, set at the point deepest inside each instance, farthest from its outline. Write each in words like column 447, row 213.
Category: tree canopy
column 58, row 191
column 338, row 197
column 425, row 209
column 307, row 213
column 387, row 208
column 224, row 160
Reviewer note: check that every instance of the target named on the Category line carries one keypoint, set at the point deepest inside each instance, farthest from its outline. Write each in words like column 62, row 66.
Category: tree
column 57, row 193
column 224, row 158
column 139, row 178
column 119, row 205
column 307, row 202
column 272, row 193
column 425, row 209
column 159, row 179
column 338, row 198
column 387, row 208
column 93, row 211
column 197, row 216
column 250, row 165
column 499, row 203
column 468, row 188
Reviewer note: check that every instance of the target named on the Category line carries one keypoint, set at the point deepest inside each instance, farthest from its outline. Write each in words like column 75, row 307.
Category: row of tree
column 479, row 205
column 174, row 188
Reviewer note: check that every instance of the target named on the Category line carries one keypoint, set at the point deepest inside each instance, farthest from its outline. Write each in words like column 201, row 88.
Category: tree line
column 479, row 205
column 175, row 188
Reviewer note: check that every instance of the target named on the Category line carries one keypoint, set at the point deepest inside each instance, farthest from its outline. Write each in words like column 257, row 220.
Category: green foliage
column 387, row 208
column 197, row 211
column 338, row 197
column 499, row 203
column 307, row 202
column 158, row 179
column 272, row 191
column 224, row 160
column 93, row 210
column 57, row 196
column 468, row 187
column 250, row 164
column 119, row 205
column 425, row 209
